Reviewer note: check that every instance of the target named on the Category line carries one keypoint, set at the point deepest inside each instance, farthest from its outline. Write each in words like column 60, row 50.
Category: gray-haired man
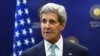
column 53, row 19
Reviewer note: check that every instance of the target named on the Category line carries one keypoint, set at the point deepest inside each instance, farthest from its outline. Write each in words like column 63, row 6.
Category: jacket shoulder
column 77, row 48
column 32, row 51
column 73, row 45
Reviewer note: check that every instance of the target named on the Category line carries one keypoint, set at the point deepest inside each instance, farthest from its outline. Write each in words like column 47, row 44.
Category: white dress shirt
column 58, row 50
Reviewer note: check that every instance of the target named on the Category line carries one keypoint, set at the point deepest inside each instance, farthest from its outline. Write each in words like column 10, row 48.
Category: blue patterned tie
column 53, row 47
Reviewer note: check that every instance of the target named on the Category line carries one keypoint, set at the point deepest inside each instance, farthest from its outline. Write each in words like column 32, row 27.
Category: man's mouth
column 47, row 32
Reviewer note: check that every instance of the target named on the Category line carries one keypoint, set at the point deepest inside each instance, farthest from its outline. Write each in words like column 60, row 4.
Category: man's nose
column 47, row 25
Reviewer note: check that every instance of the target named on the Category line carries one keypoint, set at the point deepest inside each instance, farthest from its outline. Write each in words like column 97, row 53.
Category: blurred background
column 83, row 24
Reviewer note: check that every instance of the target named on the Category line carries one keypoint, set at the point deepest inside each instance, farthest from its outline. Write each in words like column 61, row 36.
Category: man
column 53, row 19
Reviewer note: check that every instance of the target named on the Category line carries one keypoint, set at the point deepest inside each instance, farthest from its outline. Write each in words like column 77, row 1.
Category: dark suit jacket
column 69, row 49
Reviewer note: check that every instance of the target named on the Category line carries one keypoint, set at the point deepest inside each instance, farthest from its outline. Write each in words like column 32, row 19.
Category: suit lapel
column 41, row 49
column 66, row 48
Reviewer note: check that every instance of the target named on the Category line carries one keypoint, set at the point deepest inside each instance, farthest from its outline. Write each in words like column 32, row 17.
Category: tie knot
column 53, row 46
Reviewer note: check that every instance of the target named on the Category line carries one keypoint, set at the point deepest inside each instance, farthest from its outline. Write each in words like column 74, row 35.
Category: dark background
column 78, row 24
column 7, row 10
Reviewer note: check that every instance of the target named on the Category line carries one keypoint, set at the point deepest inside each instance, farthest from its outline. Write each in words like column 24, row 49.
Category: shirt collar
column 59, row 44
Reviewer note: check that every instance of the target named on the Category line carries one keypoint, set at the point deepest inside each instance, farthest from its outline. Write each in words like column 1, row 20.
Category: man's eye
column 43, row 21
column 52, row 21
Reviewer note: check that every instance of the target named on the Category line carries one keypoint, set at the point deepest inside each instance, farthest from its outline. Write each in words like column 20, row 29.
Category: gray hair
column 56, row 8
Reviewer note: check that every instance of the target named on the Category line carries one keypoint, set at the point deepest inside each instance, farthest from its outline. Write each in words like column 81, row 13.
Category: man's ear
column 63, row 25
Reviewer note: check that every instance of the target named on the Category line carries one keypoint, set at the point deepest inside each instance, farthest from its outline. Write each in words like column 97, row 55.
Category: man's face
column 51, row 27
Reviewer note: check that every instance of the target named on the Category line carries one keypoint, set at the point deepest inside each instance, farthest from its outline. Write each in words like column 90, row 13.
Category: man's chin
column 47, row 38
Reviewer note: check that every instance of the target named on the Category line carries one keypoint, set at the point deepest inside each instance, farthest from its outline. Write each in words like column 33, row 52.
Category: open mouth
column 47, row 32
